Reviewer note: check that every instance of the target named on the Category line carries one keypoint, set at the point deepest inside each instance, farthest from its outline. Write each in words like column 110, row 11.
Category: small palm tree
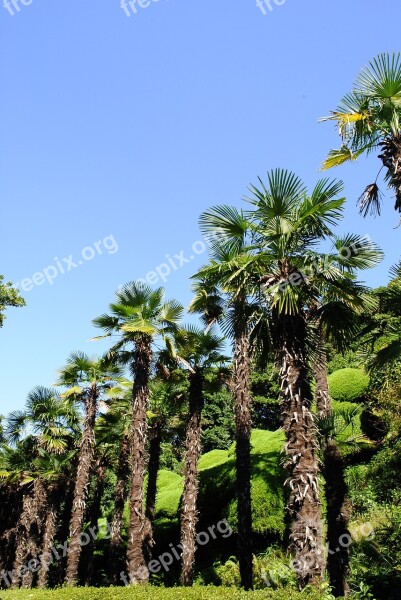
column 197, row 352
column 138, row 316
column 86, row 380
column 369, row 119
column 114, row 425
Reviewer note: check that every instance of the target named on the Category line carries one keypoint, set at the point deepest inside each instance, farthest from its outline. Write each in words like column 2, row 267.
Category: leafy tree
column 9, row 296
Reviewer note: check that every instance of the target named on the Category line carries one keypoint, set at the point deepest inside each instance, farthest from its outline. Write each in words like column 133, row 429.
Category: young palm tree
column 86, row 380
column 138, row 315
column 222, row 295
column 114, row 426
column 197, row 351
column 369, row 119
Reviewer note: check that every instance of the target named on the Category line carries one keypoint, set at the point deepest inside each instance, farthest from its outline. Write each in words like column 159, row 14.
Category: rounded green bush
column 348, row 385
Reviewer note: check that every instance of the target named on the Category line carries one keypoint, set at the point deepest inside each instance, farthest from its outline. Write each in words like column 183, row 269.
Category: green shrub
column 217, row 485
column 376, row 563
column 153, row 593
column 348, row 385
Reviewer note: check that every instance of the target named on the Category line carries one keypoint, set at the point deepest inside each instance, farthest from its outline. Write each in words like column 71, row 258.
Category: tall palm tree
column 222, row 295
column 86, row 380
column 369, row 119
column 197, row 351
column 289, row 225
column 138, row 316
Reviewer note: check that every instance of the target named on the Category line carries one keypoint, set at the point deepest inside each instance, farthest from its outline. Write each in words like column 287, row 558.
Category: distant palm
column 197, row 352
column 86, row 380
column 369, row 119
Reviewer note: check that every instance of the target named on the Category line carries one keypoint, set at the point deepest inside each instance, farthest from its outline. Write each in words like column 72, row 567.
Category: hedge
column 155, row 593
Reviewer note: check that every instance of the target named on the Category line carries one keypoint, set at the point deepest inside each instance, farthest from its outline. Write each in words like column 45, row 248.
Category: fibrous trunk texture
column 93, row 518
column 120, row 496
column 138, row 526
column 391, row 158
column 29, row 532
column 338, row 505
column 303, row 505
column 85, row 461
column 243, row 423
column 189, row 513
column 155, row 436
column 49, row 534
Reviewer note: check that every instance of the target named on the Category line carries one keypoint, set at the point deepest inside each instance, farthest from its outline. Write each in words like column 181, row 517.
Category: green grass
column 217, row 488
column 151, row 593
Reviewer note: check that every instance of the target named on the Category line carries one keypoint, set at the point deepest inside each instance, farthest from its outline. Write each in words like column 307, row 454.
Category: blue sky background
column 131, row 126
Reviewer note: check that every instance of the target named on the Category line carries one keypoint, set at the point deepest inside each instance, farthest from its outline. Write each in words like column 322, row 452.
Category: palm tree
column 331, row 426
column 44, row 431
column 337, row 321
column 368, row 119
column 167, row 400
column 289, row 224
column 138, row 315
column 197, row 351
column 86, row 380
column 222, row 295
column 114, row 426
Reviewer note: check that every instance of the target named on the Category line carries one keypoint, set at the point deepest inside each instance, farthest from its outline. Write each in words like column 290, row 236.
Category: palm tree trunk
column 391, row 159
column 136, row 564
column 49, row 534
column 303, row 505
column 22, row 529
column 189, row 514
column 153, row 470
column 29, row 534
column 338, row 505
column 322, row 396
column 93, row 517
column 120, row 496
column 81, row 488
column 243, row 424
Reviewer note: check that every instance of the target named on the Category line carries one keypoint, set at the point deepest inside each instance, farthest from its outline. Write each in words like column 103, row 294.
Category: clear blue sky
column 131, row 126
